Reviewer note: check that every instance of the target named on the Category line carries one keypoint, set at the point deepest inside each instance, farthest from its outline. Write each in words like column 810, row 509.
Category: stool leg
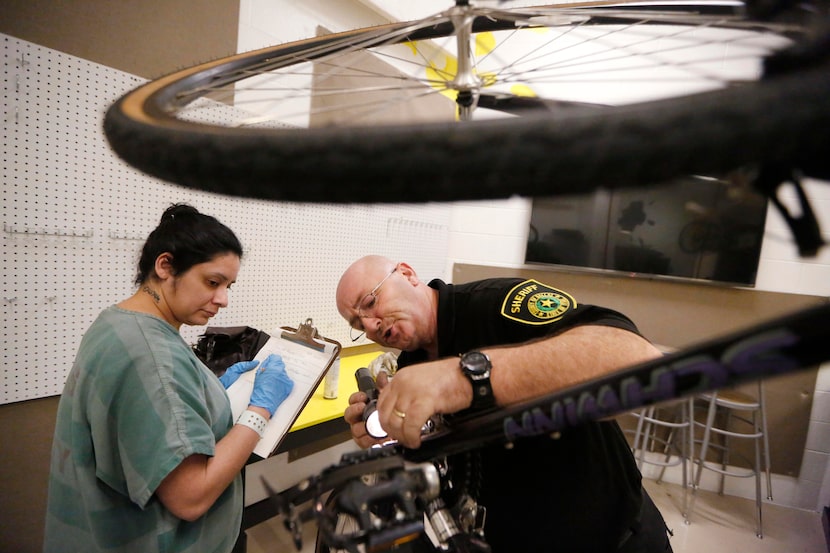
column 724, row 457
column 667, row 448
column 638, row 432
column 648, row 434
column 756, row 416
column 767, row 468
column 690, row 453
column 688, row 435
column 639, row 440
column 710, row 418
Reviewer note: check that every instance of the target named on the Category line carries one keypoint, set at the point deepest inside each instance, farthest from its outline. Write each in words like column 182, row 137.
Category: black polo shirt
column 576, row 493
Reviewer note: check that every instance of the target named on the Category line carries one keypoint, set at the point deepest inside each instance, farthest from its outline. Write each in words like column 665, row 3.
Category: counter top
column 319, row 409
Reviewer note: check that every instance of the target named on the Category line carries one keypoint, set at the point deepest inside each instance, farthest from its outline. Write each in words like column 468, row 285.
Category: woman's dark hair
column 190, row 237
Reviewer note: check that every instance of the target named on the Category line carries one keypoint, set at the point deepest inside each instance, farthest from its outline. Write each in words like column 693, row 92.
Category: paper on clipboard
column 307, row 358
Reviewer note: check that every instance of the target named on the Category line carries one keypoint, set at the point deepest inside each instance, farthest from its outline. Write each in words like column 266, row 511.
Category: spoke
column 358, row 109
column 586, row 46
column 614, row 59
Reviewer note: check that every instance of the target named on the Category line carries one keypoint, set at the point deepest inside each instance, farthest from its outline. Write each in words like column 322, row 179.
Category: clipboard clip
column 305, row 334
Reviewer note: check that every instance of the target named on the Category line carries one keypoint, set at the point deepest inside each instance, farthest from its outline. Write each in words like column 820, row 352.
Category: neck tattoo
column 152, row 293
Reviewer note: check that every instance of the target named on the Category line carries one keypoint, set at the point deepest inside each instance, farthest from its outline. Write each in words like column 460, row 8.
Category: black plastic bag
column 222, row 346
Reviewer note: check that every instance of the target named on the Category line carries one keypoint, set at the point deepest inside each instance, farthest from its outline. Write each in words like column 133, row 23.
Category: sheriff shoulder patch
column 532, row 302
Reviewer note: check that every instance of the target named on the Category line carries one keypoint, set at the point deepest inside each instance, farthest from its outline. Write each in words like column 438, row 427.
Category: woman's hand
column 272, row 384
column 236, row 370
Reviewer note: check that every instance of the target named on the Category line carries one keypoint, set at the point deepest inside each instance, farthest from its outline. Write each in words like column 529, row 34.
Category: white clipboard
column 307, row 356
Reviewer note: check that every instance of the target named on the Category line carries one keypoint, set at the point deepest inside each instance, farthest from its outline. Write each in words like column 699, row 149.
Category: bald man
column 496, row 342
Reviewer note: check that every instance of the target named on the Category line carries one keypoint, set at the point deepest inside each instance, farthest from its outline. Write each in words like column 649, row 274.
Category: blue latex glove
column 272, row 384
column 233, row 372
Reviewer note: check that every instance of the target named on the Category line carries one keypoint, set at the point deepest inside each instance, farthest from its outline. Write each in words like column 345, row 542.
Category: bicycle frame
column 794, row 342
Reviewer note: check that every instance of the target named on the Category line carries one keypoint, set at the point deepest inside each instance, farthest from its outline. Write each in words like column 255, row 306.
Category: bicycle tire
column 574, row 152
column 345, row 524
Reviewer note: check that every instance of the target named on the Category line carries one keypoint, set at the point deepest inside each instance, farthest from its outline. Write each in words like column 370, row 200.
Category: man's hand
column 419, row 391
column 354, row 415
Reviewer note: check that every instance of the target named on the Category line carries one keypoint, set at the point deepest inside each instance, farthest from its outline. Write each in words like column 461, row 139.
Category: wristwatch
column 476, row 366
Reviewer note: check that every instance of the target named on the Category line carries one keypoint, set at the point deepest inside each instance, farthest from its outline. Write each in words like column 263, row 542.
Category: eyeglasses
column 366, row 303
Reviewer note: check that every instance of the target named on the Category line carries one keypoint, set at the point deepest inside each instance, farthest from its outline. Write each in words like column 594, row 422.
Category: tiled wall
column 782, row 270
column 816, row 465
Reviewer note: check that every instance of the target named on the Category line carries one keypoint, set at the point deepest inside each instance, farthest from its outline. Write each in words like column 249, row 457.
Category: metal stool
column 677, row 438
column 748, row 411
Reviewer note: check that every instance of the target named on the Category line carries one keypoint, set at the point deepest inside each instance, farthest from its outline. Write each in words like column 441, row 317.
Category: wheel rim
column 595, row 57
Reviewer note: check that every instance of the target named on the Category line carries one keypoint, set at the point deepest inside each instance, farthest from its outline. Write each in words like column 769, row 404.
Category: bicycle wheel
column 345, row 524
column 553, row 100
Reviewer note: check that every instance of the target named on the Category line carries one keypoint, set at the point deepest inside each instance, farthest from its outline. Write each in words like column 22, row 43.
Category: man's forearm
column 526, row 371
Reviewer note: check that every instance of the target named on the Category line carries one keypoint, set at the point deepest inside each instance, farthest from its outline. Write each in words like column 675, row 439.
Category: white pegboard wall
column 75, row 217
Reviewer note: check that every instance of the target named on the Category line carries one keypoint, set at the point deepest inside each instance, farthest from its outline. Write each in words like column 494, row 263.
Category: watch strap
column 482, row 394
column 483, row 397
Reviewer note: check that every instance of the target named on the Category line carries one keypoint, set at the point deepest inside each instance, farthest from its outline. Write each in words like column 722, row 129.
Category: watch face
column 475, row 363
